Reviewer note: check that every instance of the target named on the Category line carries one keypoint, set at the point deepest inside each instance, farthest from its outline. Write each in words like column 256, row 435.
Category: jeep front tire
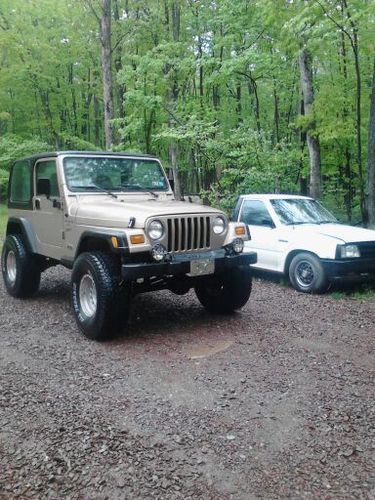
column 20, row 269
column 100, row 306
column 225, row 292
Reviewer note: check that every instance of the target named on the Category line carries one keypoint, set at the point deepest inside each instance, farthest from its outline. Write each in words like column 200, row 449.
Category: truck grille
column 367, row 249
column 188, row 233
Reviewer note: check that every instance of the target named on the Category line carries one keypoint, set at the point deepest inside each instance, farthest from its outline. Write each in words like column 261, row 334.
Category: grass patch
column 360, row 291
column 3, row 221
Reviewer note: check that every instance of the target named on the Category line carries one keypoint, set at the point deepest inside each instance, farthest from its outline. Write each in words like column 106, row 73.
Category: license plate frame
column 202, row 267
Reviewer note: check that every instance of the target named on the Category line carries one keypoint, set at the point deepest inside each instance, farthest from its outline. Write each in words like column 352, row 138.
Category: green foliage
column 223, row 85
column 361, row 291
column 76, row 143
column 13, row 147
column 4, row 177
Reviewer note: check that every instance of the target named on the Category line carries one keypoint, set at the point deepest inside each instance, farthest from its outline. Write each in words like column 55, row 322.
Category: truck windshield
column 107, row 174
column 301, row 211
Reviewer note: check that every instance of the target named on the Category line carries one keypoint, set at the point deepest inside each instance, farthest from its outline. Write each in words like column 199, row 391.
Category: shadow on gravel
column 157, row 315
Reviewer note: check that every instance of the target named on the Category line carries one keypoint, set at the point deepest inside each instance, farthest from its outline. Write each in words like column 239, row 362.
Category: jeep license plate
column 202, row 267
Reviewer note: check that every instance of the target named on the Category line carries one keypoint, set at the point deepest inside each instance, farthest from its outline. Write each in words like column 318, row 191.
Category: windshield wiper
column 327, row 222
column 296, row 223
column 108, row 191
column 138, row 187
column 99, row 188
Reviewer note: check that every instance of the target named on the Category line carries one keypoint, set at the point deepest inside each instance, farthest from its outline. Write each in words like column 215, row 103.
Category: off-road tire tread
column 112, row 312
column 28, row 271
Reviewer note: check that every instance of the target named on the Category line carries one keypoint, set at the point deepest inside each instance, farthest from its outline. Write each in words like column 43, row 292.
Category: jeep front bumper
column 181, row 264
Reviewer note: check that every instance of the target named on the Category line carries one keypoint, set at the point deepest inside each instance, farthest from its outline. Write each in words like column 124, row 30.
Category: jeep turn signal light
column 136, row 239
column 114, row 242
column 240, row 231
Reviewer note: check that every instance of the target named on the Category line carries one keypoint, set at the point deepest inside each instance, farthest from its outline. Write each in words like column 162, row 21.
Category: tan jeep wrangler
column 112, row 218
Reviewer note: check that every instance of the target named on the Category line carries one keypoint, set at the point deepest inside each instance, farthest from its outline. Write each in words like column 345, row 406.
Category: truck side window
column 47, row 170
column 255, row 213
column 20, row 190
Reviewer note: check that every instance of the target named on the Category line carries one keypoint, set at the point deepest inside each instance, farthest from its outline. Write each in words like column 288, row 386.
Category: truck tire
column 306, row 274
column 224, row 293
column 100, row 305
column 20, row 269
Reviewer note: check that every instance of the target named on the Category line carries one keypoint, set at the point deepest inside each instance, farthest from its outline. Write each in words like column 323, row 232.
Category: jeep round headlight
column 218, row 225
column 155, row 230
column 350, row 252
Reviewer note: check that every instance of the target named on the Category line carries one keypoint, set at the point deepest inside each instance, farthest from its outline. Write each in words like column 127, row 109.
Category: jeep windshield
column 108, row 174
column 293, row 211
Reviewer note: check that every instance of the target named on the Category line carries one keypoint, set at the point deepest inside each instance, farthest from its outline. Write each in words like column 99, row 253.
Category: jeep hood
column 110, row 212
column 342, row 233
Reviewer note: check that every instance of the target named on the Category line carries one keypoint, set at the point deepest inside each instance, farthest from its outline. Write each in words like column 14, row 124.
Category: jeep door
column 47, row 210
column 265, row 237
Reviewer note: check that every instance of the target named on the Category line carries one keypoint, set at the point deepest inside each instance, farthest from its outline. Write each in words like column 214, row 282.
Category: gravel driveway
column 276, row 401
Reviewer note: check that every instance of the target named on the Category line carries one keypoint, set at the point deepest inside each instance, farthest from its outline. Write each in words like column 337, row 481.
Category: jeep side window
column 20, row 190
column 255, row 213
column 47, row 170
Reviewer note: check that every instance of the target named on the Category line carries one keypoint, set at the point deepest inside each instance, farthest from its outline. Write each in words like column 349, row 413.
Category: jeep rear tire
column 100, row 305
column 20, row 269
column 225, row 292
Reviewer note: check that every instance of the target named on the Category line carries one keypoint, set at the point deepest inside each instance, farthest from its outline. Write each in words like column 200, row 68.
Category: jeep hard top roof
column 84, row 153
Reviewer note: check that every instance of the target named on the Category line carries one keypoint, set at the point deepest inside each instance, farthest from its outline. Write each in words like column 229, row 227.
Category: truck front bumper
column 181, row 264
column 351, row 269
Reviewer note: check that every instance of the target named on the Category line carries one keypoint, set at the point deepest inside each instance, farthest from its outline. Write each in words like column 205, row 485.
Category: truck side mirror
column 268, row 223
column 43, row 187
column 171, row 182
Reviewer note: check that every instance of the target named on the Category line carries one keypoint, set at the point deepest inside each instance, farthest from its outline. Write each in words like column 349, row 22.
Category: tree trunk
column 121, row 89
column 312, row 140
column 173, row 96
column 105, row 36
column 371, row 156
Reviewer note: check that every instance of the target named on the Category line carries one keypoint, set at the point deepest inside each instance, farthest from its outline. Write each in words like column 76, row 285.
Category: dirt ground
column 276, row 401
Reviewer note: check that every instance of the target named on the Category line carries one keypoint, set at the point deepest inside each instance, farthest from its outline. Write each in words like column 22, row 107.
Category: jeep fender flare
column 20, row 225
column 95, row 240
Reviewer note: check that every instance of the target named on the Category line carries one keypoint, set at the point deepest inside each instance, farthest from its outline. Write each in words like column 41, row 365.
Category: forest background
column 234, row 96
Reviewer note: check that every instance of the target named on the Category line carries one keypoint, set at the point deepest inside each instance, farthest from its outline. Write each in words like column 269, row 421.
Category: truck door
column 47, row 211
column 264, row 234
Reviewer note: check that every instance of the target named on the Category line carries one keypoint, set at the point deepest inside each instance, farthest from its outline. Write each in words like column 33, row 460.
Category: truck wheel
column 225, row 293
column 21, row 272
column 100, row 306
column 306, row 274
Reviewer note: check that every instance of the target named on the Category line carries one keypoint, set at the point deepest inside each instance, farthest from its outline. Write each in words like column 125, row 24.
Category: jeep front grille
column 188, row 233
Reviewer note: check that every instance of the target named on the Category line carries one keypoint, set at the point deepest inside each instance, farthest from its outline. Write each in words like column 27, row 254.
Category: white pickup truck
column 296, row 236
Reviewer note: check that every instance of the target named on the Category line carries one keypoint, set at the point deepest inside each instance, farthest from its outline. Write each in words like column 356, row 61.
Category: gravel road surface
column 276, row 401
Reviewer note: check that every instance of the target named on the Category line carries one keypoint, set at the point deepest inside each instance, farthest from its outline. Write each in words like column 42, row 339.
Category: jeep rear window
column 90, row 174
column 20, row 190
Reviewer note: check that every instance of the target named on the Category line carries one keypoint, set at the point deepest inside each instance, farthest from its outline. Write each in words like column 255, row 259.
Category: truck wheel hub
column 88, row 296
column 11, row 267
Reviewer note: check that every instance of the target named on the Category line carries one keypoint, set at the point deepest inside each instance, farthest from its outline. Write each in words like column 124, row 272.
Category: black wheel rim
column 304, row 274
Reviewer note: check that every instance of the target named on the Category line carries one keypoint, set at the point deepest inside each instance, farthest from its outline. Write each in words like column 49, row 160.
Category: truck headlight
column 350, row 252
column 155, row 230
column 218, row 225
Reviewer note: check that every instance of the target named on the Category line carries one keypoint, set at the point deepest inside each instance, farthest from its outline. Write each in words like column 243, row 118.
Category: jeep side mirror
column 44, row 187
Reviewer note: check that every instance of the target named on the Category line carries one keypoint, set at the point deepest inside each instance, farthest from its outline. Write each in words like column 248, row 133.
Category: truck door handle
column 37, row 203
